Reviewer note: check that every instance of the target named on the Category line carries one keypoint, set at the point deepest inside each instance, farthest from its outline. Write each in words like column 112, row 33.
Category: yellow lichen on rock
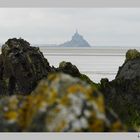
column 58, row 104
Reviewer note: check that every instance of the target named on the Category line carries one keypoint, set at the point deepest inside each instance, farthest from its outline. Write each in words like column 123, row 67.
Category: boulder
column 60, row 103
column 123, row 93
column 69, row 68
column 22, row 66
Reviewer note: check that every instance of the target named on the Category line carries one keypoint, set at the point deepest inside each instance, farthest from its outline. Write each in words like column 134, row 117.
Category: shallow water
column 101, row 63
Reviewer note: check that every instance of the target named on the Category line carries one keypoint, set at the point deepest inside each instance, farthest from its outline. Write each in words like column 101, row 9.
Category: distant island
column 76, row 41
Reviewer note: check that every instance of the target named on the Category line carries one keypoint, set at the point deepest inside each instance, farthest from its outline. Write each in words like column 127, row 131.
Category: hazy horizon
column 99, row 26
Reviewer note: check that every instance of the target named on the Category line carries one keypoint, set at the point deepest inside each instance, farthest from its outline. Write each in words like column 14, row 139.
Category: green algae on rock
column 60, row 103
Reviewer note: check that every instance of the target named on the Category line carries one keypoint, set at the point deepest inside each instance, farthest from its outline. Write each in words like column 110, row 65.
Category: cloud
column 100, row 26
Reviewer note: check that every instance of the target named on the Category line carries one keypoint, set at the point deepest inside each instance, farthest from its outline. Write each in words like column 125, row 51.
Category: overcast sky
column 99, row 26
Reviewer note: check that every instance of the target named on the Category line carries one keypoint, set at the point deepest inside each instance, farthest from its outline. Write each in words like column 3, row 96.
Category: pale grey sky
column 99, row 26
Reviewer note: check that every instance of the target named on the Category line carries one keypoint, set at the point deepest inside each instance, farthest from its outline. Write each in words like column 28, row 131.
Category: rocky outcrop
column 63, row 99
column 123, row 93
column 21, row 67
column 69, row 68
column 60, row 103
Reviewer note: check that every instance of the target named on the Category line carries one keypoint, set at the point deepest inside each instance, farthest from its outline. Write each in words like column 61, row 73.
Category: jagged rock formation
column 123, row 93
column 21, row 67
column 59, row 103
column 63, row 102
column 76, row 41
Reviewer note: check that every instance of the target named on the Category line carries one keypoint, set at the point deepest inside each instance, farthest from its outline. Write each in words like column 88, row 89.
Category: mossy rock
column 22, row 66
column 132, row 54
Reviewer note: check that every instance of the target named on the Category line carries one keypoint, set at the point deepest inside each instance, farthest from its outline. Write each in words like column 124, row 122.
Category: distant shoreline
column 87, row 51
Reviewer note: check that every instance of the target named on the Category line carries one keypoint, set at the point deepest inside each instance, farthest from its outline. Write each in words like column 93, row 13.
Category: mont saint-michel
column 77, row 40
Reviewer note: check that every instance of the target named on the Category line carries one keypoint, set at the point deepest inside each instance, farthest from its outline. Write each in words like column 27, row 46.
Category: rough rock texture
column 59, row 103
column 21, row 67
column 123, row 93
column 69, row 68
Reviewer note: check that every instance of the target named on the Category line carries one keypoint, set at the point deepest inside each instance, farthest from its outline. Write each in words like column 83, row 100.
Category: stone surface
column 21, row 67
column 60, row 103
column 69, row 68
column 123, row 93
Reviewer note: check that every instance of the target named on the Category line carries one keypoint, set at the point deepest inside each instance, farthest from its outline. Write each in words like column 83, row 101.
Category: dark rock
column 123, row 93
column 69, row 68
column 60, row 102
column 22, row 66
